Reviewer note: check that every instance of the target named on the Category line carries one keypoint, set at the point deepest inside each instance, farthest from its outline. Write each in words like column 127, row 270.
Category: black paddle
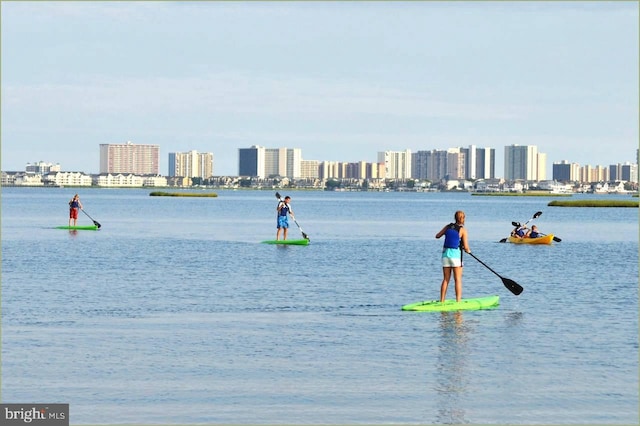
column 305, row 236
column 556, row 239
column 511, row 285
column 535, row 216
column 95, row 222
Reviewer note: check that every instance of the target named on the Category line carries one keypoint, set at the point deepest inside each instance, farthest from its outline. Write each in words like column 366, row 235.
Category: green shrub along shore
column 520, row 194
column 183, row 194
column 594, row 203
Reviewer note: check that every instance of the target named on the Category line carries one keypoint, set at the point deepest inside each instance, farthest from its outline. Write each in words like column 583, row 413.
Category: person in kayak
column 74, row 206
column 284, row 211
column 520, row 232
column 534, row 232
column 455, row 240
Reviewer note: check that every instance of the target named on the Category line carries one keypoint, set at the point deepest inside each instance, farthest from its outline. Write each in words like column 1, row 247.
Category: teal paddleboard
column 488, row 302
column 289, row 242
column 80, row 227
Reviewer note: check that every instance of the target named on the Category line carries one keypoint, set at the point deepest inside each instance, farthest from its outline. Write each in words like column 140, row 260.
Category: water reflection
column 452, row 369
column 73, row 233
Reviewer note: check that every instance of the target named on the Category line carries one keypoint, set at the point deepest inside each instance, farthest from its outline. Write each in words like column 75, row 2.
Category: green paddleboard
column 79, row 227
column 289, row 242
column 488, row 302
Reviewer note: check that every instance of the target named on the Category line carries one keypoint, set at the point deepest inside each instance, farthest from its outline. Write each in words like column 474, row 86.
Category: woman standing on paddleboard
column 74, row 206
column 455, row 240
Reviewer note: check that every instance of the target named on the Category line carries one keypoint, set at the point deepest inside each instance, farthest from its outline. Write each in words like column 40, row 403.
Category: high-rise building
column 397, row 164
column 251, row 161
column 429, row 165
column 480, row 163
column 192, row 164
column 629, row 172
column 589, row 174
column 129, row 158
column 471, row 161
column 332, row 170
column 262, row 162
column 309, row 169
column 524, row 163
column 564, row 171
column 456, row 164
column 42, row 168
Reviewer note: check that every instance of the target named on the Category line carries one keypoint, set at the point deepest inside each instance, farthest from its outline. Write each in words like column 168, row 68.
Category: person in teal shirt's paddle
column 74, row 206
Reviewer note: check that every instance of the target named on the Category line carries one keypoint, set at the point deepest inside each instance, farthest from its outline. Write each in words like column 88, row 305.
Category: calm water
column 175, row 313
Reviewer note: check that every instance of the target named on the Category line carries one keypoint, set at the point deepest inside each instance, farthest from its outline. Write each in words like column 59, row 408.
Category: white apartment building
column 309, row 169
column 191, row 164
column 258, row 161
column 42, row 168
column 397, row 164
column 68, row 179
column 119, row 180
column 524, row 163
column 129, row 158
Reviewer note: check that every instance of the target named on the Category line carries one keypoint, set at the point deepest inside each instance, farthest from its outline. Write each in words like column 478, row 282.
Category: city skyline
column 278, row 161
column 384, row 76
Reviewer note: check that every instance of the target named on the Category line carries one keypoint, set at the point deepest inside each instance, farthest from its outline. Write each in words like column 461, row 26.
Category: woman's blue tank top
column 452, row 236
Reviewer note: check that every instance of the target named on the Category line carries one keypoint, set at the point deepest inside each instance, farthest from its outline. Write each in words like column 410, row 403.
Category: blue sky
column 340, row 80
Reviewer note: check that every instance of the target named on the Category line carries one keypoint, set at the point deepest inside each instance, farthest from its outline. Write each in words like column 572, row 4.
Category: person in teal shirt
column 284, row 211
column 455, row 240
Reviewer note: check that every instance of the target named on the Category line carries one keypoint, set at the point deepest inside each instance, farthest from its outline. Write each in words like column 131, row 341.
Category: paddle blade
column 306, row 237
column 557, row 240
column 278, row 195
column 97, row 224
column 512, row 286
column 504, row 240
column 537, row 215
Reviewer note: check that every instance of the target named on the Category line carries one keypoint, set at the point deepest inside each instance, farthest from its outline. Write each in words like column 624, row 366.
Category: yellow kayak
column 545, row 239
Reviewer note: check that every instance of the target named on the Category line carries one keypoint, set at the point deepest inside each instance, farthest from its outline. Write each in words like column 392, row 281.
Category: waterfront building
column 626, row 172
column 564, row 171
column 67, row 179
column 481, row 163
column 524, row 163
column 590, row 174
column 42, row 168
column 129, row 158
column 309, row 169
column 332, row 170
column 251, row 161
column 261, row 162
column 375, row 171
column 456, row 164
column 119, row 180
column 430, row 165
column 397, row 164
column 21, row 179
column 191, row 164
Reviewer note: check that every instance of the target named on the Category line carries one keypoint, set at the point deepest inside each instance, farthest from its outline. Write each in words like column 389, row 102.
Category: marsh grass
column 520, row 194
column 594, row 203
column 183, row 194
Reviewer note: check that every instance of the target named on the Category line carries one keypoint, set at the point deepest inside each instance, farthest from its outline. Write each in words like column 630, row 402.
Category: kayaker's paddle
column 535, row 216
column 305, row 236
column 95, row 222
column 511, row 285
column 556, row 239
